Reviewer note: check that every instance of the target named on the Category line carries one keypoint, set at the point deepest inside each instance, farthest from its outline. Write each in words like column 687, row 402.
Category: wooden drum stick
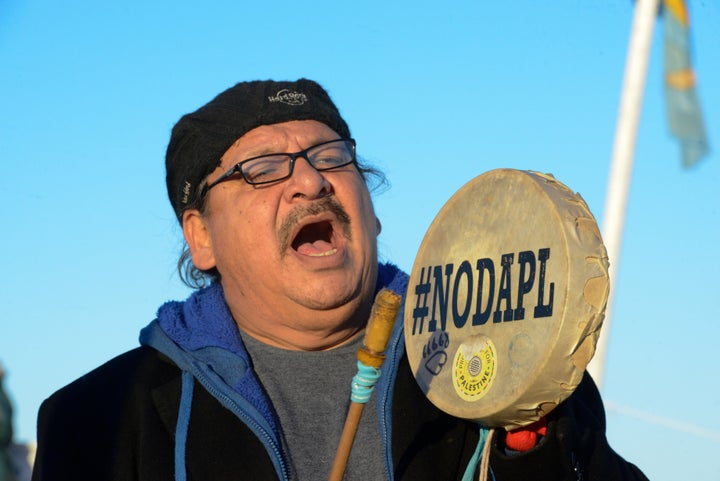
column 370, row 356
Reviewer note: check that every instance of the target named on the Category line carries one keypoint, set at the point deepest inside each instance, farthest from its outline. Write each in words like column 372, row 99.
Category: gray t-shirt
column 310, row 391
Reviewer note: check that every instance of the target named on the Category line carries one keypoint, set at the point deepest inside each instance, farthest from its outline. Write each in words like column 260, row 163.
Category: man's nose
column 306, row 181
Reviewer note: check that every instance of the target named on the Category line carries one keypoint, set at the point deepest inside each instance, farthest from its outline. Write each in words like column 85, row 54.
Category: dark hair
column 196, row 278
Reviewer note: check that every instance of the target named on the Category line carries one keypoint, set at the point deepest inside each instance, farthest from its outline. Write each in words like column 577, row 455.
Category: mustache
column 299, row 213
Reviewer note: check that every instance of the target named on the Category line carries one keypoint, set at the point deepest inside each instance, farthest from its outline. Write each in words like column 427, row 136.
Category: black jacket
column 118, row 423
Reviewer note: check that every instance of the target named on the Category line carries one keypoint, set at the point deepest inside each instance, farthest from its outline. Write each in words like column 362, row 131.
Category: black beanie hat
column 200, row 138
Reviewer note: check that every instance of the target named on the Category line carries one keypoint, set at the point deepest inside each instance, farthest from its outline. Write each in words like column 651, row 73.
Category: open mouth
column 315, row 240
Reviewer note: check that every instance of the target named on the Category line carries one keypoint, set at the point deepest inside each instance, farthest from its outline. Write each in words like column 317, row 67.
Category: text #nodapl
column 470, row 292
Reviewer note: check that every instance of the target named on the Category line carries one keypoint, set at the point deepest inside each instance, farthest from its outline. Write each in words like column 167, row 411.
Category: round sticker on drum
column 474, row 368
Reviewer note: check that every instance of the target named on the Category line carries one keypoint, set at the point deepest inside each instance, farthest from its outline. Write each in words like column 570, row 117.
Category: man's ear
column 198, row 239
column 378, row 226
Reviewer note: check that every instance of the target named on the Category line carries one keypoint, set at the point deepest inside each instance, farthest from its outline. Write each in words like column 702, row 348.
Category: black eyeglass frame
column 237, row 168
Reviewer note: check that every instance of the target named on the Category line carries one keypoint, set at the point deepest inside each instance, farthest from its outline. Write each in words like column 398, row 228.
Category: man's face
column 297, row 258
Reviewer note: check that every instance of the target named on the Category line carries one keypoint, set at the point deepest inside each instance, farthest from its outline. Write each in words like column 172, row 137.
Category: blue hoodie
column 201, row 337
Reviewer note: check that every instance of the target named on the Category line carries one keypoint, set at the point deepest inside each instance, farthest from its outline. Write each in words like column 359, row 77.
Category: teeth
column 323, row 254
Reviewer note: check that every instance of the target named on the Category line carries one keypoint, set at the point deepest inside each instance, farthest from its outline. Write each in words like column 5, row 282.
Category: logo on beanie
column 289, row 97
column 186, row 192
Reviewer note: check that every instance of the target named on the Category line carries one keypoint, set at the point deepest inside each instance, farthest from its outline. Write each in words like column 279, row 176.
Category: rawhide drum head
column 506, row 299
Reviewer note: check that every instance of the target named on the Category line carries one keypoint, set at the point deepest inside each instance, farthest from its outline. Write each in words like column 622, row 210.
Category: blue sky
column 434, row 94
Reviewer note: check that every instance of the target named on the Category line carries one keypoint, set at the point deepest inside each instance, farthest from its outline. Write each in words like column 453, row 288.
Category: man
column 250, row 377
column 7, row 468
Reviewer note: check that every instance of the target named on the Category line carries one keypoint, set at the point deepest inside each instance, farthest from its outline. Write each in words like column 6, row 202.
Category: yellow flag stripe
column 678, row 9
column 681, row 80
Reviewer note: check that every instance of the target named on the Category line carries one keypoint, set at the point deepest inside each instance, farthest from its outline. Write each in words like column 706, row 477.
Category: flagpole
column 621, row 165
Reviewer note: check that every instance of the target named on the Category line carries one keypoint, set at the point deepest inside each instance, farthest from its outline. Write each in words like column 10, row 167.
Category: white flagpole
column 633, row 87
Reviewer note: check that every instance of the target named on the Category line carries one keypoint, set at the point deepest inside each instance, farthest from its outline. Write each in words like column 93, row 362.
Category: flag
column 683, row 107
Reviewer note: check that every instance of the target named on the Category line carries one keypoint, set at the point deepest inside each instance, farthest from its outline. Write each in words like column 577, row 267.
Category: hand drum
column 506, row 299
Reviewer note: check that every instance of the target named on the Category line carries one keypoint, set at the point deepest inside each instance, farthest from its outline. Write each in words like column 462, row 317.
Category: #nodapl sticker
column 474, row 368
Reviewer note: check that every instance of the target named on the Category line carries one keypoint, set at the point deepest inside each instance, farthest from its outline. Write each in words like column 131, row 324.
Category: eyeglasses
column 264, row 169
